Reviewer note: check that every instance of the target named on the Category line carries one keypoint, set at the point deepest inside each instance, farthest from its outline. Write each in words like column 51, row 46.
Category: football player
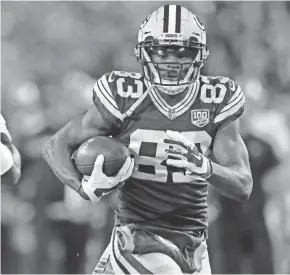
column 183, row 130
column 10, row 157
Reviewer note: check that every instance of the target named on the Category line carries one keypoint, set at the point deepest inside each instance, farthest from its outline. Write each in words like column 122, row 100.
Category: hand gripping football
column 115, row 154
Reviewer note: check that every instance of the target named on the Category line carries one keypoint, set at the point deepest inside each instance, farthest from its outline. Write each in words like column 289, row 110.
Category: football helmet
column 172, row 27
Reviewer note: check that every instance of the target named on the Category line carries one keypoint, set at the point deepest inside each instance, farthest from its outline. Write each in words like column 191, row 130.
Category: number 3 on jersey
column 135, row 90
column 150, row 153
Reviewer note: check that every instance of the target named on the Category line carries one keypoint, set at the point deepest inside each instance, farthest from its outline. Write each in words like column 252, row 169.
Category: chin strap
column 172, row 90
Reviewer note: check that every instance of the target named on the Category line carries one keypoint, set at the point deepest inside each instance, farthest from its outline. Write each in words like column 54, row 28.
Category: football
column 115, row 154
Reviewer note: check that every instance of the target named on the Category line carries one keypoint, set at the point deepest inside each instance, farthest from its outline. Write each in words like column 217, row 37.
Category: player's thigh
column 201, row 259
column 152, row 263
column 126, row 262
column 158, row 263
column 206, row 269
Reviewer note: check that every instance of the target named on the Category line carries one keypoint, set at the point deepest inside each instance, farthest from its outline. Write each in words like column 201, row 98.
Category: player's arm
column 231, row 173
column 10, row 158
column 58, row 150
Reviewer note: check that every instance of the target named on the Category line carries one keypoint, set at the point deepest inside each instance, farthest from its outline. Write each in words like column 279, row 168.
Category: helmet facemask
column 188, row 71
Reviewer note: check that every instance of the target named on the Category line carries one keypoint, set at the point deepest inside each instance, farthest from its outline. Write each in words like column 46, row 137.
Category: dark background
column 51, row 55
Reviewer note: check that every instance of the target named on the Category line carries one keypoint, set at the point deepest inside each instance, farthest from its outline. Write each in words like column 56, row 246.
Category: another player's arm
column 231, row 173
column 58, row 150
column 14, row 172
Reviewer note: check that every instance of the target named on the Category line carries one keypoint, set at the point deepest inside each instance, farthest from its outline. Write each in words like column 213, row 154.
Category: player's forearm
column 231, row 182
column 57, row 153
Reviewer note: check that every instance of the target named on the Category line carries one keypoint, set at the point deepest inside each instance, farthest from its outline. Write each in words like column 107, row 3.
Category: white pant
column 114, row 261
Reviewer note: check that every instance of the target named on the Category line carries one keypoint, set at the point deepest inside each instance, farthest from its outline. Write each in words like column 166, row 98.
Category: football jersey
column 139, row 117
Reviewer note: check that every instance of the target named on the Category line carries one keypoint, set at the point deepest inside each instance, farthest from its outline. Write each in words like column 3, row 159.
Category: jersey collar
column 178, row 109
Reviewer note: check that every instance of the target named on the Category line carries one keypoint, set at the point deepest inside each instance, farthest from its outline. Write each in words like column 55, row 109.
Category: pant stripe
column 120, row 261
column 115, row 260
column 133, row 262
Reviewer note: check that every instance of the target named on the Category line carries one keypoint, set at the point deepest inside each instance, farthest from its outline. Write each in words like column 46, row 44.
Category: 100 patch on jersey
column 200, row 117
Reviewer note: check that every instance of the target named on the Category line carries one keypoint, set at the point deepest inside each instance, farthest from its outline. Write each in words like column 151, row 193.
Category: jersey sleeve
column 118, row 94
column 232, row 107
column 104, row 98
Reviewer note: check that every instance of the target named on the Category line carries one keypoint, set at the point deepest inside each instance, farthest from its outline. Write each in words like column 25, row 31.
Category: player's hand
column 98, row 184
column 189, row 156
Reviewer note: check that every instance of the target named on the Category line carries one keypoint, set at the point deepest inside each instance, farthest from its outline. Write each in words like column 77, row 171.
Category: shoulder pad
column 225, row 94
column 115, row 92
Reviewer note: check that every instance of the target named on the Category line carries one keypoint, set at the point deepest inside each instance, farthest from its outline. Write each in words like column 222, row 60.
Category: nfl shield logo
column 200, row 117
column 171, row 114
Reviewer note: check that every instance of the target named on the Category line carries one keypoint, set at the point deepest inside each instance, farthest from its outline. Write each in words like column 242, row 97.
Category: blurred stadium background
column 51, row 55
